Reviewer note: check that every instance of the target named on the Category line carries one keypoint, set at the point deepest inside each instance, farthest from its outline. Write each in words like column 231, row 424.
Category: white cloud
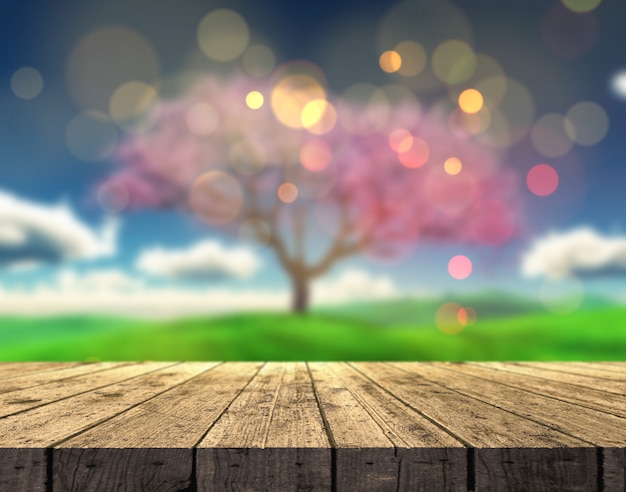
column 115, row 293
column 109, row 280
column 33, row 233
column 581, row 252
column 354, row 285
column 204, row 260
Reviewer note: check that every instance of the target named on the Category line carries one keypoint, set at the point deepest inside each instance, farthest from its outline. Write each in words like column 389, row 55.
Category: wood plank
column 42, row 427
column 473, row 421
column 125, row 470
column 23, row 470
column 522, row 470
column 270, row 438
column 578, row 395
column 593, row 427
column 47, row 425
column 16, row 369
column 614, row 469
column 150, row 446
column 507, row 446
column 601, row 366
column 619, row 364
column 20, row 400
column 576, row 369
column 26, row 381
column 425, row 457
column 177, row 418
column 615, row 387
column 365, row 457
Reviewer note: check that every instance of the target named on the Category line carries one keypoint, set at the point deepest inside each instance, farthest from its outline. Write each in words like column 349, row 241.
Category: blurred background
column 206, row 180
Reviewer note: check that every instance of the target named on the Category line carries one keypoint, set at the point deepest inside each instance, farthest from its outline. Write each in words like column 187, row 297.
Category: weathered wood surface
column 168, row 426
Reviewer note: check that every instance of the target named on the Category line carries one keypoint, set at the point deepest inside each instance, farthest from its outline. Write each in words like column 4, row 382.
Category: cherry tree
column 317, row 178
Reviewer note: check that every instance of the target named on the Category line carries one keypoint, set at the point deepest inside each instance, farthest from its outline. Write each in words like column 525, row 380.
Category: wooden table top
column 312, row 426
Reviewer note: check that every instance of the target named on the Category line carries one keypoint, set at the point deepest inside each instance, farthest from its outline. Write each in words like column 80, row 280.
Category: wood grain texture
column 23, row 470
column 45, row 426
column 318, row 426
column 473, row 421
column 95, row 470
column 17, row 369
column 26, row 381
column 579, row 370
column 177, row 418
column 593, row 427
column 494, row 433
column 424, row 457
column 614, row 469
column 523, row 470
column 579, row 395
column 157, row 437
column 20, row 400
column 541, row 370
column 271, row 437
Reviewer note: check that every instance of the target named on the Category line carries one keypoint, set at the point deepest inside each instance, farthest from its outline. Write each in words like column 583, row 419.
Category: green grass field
column 591, row 334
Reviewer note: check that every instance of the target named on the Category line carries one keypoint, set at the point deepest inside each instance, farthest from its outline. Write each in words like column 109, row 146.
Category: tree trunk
column 300, row 299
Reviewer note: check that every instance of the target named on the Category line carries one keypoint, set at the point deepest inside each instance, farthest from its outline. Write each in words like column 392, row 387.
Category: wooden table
column 312, row 426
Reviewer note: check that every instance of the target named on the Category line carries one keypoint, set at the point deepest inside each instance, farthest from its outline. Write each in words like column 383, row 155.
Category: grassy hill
column 421, row 311
column 593, row 334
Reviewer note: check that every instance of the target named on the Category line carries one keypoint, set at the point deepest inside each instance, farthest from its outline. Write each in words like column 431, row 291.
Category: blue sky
column 37, row 166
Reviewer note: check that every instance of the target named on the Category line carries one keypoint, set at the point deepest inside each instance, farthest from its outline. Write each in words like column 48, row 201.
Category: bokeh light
column 223, row 35
column 292, row 94
column 470, row 101
column 512, row 119
column 259, row 60
column 27, row 83
column 464, row 124
column 91, row 136
column 130, row 104
column 453, row 61
column 315, row 155
column 493, row 88
column 548, row 135
column 318, row 116
column 447, row 318
column 105, row 59
column 426, row 23
column 467, row 316
column 417, row 155
column 587, row 123
column 618, row 84
column 254, row 99
column 542, row 180
column 581, row 6
column 390, row 61
column 400, row 140
column 413, row 58
column 452, row 166
column 460, row 267
column 202, row 119
column 287, row 192
column 113, row 197
column 216, row 198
